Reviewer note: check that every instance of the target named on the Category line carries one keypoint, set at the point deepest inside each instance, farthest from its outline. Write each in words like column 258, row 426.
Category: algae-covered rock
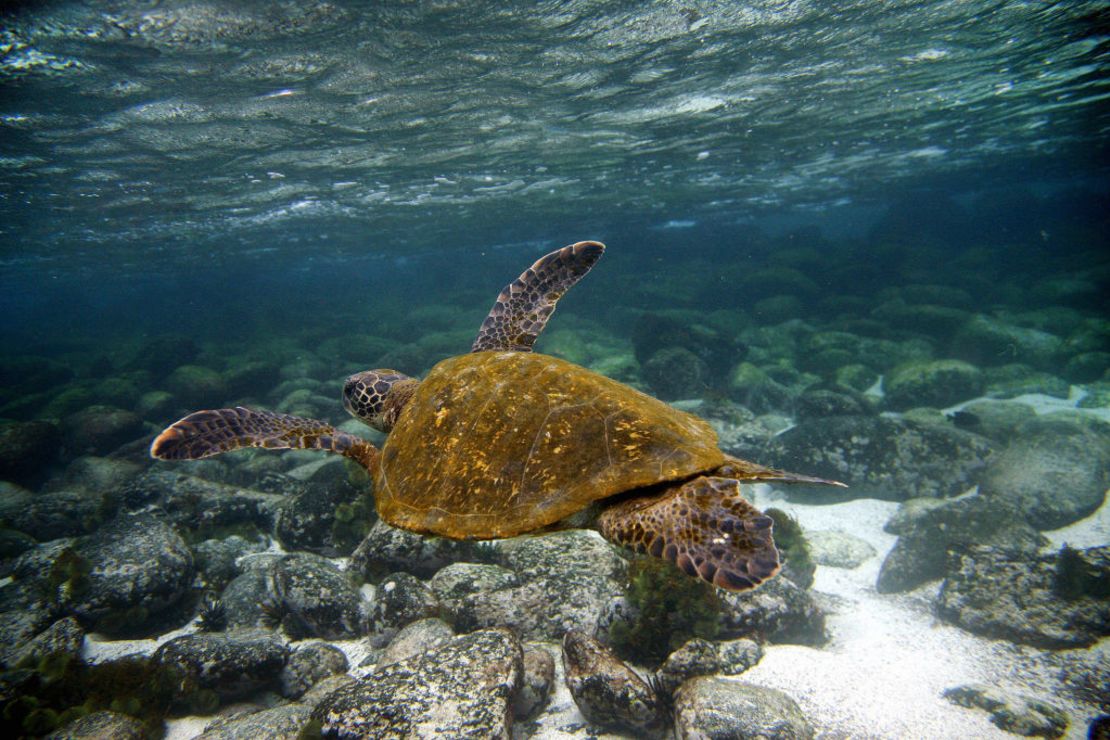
column 196, row 386
column 308, row 665
column 985, row 340
column 1058, row 600
column 401, row 598
column 27, row 448
column 1055, row 471
column 838, row 549
column 462, row 689
column 752, row 387
column 101, row 725
column 936, row 383
column 921, row 552
column 676, row 372
column 709, row 706
column 879, row 457
column 231, row 665
column 608, row 692
column 1021, row 715
column 698, row 657
column 1016, row 379
column 995, row 420
column 314, row 598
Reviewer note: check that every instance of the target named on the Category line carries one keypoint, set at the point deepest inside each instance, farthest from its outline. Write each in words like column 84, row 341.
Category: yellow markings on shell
column 441, row 414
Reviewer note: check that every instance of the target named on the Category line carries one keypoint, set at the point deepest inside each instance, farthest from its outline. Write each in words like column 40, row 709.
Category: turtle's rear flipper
column 704, row 526
column 524, row 306
column 206, row 433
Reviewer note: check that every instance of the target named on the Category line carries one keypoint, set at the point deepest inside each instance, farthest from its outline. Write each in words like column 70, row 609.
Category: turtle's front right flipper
column 524, row 306
column 206, row 433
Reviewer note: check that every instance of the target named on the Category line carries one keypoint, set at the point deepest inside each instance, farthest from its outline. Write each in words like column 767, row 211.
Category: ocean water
column 867, row 242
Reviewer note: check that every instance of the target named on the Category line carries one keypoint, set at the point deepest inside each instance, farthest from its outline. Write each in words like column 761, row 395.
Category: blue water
column 327, row 185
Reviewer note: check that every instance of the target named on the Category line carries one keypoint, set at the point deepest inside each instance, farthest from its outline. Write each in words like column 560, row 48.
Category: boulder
column 463, row 688
column 102, row 725
column 935, row 383
column 698, row 657
column 1055, row 471
column 231, row 665
column 1017, row 714
column 879, row 457
column 714, row 707
column 311, row 597
column 778, row 611
column 921, row 552
column 399, row 599
column 27, row 448
column 1059, row 600
column 308, row 665
column 98, row 430
column 609, row 693
column 838, row 549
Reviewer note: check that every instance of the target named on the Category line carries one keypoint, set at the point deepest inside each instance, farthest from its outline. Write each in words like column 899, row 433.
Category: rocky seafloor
column 959, row 587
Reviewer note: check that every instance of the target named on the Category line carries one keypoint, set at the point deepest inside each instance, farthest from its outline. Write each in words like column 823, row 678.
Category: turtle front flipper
column 206, row 433
column 524, row 306
column 704, row 526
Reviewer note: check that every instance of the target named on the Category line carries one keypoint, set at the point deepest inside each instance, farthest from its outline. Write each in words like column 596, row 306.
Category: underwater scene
column 296, row 443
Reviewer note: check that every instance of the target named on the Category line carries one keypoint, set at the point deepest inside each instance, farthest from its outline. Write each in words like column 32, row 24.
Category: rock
column 101, row 474
column 712, row 707
column 308, row 665
column 1021, row 715
column 98, row 430
column 910, row 512
column 816, row 403
column 537, row 682
column 387, row 549
column 985, row 340
column 216, row 560
column 64, row 513
column 12, row 545
column 455, row 582
column 1053, row 601
column 283, row 722
column 1012, row 380
column 778, row 611
column 120, row 579
column 1055, row 471
column 676, row 372
column 197, row 387
column 754, row 388
column 27, row 448
column 463, row 688
column 838, row 549
column 1087, row 367
column 103, row 725
column 231, row 665
column 64, row 636
column 609, row 693
column 879, row 457
column 202, row 506
column 162, row 353
column 921, row 552
column 314, row 598
column 713, row 349
column 566, row 580
column 305, row 520
column 415, row 638
column 399, row 599
column 995, row 420
column 698, row 657
column 936, row 383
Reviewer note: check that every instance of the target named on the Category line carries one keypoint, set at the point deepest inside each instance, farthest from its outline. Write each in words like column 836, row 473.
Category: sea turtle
column 502, row 441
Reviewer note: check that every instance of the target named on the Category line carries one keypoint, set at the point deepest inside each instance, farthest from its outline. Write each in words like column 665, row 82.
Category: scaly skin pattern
column 206, row 433
column 524, row 306
column 704, row 526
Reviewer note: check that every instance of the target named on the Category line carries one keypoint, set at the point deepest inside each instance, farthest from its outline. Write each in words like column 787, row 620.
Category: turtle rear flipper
column 206, row 433
column 704, row 526
column 524, row 306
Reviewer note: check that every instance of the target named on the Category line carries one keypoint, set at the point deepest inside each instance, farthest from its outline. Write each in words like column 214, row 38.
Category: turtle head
column 376, row 397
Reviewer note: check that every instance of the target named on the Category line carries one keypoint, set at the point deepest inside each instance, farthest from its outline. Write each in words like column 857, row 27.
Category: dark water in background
column 217, row 168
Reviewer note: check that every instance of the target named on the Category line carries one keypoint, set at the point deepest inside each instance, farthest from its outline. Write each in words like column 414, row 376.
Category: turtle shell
column 494, row 444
